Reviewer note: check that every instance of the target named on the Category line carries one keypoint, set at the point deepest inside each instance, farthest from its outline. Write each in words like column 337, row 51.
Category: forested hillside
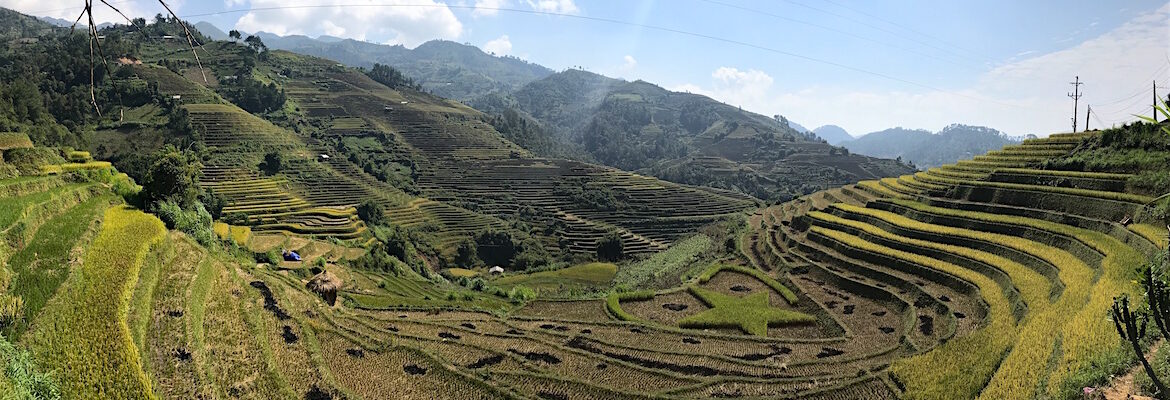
column 680, row 137
column 445, row 68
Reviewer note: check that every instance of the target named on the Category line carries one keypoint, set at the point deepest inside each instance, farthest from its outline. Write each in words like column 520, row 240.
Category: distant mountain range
column 636, row 126
column 833, row 134
column 926, row 149
column 449, row 69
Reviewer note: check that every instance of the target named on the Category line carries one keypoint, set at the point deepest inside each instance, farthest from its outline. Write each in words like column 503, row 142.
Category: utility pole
column 1076, row 95
column 1155, row 110
column 1087, row 112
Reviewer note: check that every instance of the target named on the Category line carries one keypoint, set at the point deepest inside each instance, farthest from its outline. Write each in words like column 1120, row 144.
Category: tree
column 255, row 43
column 370, row 212
column 466, row 254
column 234, row 35
column 496, row 247
column 273, row 162
column 173, row 175
column 610, row 248
column 391, row 77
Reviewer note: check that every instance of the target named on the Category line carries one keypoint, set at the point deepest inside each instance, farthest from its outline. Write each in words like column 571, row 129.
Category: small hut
column 325, row 284
column 496, row 270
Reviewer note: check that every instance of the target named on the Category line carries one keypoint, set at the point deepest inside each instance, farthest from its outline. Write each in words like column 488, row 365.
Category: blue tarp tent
column 290, row 255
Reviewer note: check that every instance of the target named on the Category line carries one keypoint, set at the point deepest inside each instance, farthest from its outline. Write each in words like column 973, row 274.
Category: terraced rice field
column 883, row 289
column 1004, row 271
column 461, row 161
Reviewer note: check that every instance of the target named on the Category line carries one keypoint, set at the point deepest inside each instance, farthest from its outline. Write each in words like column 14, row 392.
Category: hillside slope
column 833, row 134
column 445, row 68
column 683, row 137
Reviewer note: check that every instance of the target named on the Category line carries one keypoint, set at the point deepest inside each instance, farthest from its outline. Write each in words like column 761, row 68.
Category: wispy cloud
column 1018, row 97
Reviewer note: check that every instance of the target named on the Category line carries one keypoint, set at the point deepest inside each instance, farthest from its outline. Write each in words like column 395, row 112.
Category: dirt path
column 1124, row 387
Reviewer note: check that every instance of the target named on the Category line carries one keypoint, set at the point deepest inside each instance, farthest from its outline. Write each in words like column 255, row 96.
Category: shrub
column 610, row 248
column 370, row 212
column 520, row 294
column 173, row 175
column 272, row 257
column 273, row 163
column 466, row 254
column 478, row 284
column 496, row 247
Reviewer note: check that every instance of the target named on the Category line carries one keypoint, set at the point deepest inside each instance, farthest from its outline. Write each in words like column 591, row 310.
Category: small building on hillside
column 496, row 270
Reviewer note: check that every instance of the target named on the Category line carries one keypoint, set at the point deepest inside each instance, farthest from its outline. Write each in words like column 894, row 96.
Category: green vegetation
column 751, row 313
column 576, row 278
column 20, row 378
column 671, row 262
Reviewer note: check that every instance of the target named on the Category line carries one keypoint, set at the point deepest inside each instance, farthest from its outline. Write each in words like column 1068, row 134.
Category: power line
column 907, row 28
column 865, row 23
column 624, row 23
column 1141, row 91
column 1138, row 101
column 835, row 30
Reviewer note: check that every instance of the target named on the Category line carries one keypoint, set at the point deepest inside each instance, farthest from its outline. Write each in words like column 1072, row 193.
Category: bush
column 273, row 163
column 370, row 212
column 497, row 247
column 195, row 222
column 173, row 175
column 520, row 294
column 610, row 248
column 478, row 284
column 466, row 254
column 272, row 257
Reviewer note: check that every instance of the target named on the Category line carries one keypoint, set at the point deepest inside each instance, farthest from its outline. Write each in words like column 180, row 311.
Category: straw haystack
column 325, row 284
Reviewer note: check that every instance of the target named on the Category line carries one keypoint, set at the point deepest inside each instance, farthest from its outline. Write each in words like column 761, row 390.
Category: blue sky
column 863, row 65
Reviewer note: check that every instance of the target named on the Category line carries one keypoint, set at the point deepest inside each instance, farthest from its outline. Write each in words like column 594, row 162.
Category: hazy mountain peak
column 833, row 134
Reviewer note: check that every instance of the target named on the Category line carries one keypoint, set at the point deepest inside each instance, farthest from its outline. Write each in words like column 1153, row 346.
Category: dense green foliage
column 398, row 251
column 610, row 247
column 173, row 176
column 391, row 77
column 254, row 96
column 26, row 381
column 272, row 163
column 1142, row 149
column 370, row 212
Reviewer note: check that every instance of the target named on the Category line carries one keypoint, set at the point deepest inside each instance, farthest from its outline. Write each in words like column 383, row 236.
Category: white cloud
column 70, row 9
column 233, row 3
column 417, row 21
column 630, row 63
column 500, row 46
column 554, row 6
column 487, row 8
column 1020, row 97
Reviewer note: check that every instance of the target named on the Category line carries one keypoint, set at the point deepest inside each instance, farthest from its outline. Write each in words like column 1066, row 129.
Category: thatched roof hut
column 325, row 284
